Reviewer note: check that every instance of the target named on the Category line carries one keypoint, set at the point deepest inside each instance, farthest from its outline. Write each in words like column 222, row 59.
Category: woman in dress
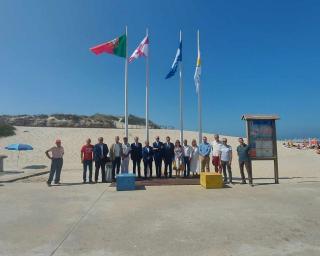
column 194, row 163
column 178, row 158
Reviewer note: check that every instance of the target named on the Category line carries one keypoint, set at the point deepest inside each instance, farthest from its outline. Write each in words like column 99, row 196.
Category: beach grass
column 7, row 130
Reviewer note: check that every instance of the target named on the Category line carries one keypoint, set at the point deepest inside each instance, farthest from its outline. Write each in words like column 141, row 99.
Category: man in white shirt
column 126, row 149
column 115, row 157
column 226, row 160
column 216, row 145
column 187, row 157
column 56, row 157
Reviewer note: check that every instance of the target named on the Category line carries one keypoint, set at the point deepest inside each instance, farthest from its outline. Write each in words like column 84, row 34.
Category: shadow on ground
column 286, row 178
column 10, row 172
column 35, row 167
column 309, row 181
column 71, row 184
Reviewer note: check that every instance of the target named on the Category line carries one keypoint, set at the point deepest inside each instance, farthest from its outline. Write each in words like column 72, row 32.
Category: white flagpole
column 181, row 96
column 199, row 96
column 147, row 90
column 126, row 87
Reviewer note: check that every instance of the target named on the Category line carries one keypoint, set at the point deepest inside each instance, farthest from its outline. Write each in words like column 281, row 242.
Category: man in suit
column 136, row 155
column 168, row 157
column 100, row 153
column 157, row 155
column 115, row 157
column 147, row 154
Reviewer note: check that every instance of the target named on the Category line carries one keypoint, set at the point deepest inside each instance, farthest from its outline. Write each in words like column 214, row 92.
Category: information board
column 261, row 138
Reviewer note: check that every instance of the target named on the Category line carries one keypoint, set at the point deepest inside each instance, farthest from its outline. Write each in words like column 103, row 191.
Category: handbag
column 182, row 166
column 174, row 166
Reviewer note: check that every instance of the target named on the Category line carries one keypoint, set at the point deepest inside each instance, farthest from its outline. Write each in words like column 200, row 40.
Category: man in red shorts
column 86, row 160
column 216, row 145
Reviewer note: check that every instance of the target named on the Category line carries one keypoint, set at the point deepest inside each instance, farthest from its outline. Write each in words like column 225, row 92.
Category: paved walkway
column 76, row 219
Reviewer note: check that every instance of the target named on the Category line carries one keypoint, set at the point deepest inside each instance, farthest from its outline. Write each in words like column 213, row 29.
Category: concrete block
column 211, row 180
column 126, row 181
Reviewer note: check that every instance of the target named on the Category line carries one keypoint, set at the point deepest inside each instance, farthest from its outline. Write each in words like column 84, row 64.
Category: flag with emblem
column 142, row 50
column 116, row 47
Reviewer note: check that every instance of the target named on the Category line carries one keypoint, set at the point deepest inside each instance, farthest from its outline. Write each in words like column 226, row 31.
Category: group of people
column 184, row 159
column 311, row 144
column 221, row 159
column 175, row 157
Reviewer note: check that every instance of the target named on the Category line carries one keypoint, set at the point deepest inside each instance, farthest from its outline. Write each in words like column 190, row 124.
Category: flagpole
column 147, row 89
column 199, row 96
column 181, row 94
column 126, row 87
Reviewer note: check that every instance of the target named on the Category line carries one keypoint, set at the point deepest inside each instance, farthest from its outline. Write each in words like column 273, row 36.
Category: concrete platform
column 175, row 181
column 94, row 219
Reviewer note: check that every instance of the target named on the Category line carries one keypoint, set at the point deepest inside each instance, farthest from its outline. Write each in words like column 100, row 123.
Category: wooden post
column 275, row 153
column 248, row 141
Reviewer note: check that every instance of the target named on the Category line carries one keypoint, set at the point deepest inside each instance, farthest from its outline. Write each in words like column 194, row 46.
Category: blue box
column 126, row 181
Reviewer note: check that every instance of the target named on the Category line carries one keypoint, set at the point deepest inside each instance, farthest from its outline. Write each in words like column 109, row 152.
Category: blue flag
column 178, row 58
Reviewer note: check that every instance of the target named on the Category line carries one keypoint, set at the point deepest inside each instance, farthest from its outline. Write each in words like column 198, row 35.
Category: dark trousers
column 166, row 165
column 87, row 164
column 158, row 164
column 137, row 163
column 116, row 163
column 147, row 163
column 100, row 164
column 247, row 164
column 186, row 166
column 55, row 170
column 226, row 165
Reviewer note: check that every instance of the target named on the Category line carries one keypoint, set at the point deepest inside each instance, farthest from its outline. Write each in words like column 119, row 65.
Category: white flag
column 142, row 50
column 197, row 73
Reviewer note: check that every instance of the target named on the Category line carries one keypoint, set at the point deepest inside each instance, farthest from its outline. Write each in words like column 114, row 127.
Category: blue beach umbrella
column 19, row 147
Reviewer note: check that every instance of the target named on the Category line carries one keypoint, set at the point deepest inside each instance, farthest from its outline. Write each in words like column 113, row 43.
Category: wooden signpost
column 262, row 138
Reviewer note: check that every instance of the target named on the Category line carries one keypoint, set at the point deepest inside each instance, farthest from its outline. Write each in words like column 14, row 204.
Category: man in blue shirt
column 204, row 155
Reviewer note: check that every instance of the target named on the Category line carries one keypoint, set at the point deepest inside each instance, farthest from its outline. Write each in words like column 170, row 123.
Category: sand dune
column 294, row 165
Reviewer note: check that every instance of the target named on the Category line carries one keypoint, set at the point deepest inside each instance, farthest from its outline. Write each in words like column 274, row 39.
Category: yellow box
column 211, row 180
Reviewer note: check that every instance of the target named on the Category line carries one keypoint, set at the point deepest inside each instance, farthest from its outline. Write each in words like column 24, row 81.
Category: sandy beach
column 294, row 165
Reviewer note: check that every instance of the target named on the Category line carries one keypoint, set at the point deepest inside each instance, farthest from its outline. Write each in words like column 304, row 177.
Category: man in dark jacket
column 147, row 154
column 158, row 152
column 136, row 155
column 100, row 153
column 168, row 157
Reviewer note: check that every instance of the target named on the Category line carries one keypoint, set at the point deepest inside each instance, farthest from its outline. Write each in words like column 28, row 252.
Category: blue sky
column 257, row 57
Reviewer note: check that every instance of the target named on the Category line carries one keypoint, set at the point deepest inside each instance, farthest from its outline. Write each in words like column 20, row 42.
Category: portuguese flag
column 116, row 46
